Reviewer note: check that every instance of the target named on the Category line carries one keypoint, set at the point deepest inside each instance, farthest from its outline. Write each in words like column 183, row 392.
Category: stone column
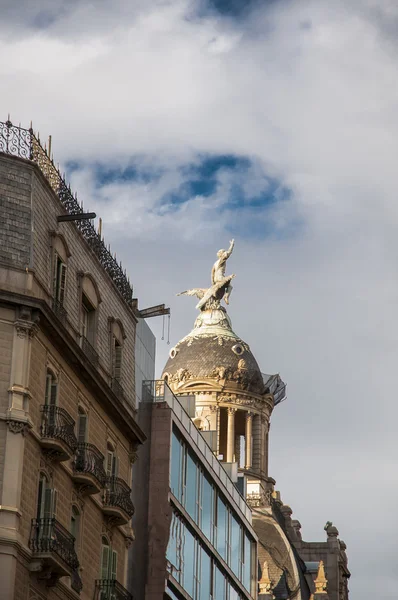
column 256, row 442
column 263, row 459
column 230, row 434
column 248, row 439
column 18, row 423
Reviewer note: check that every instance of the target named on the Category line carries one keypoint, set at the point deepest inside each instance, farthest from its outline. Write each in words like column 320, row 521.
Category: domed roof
column 212, row 350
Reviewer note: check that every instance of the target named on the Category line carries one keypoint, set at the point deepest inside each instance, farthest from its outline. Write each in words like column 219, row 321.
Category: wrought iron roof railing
column 17, row 141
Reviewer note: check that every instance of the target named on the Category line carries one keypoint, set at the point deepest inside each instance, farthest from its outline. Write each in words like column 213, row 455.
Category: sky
column 185, row 123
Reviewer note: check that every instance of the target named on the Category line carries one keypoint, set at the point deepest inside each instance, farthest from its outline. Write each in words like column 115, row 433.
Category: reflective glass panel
column 233, row 594
column 176, row 467
column 205, row 576
column 247, row 563
column 191, row 487
column 207, row 508
column 236, row 556
column 219, row 587
column 222, row 528
column 188, row 553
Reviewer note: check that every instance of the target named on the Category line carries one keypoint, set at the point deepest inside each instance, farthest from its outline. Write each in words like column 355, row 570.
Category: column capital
column 231, row 410
column 249, row 415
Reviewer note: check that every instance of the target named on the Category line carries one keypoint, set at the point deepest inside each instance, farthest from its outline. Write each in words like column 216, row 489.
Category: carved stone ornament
column 26, row 329
column 18, row 427
column 133, row 455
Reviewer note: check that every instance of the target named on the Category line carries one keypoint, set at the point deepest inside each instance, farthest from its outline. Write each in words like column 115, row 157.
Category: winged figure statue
column 221, row 288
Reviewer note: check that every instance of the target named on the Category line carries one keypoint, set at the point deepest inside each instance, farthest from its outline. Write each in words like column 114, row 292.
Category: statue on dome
column 221, row 288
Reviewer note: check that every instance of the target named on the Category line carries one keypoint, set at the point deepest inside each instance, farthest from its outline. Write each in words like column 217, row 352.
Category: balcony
column 90, row 352
column 57, row 432
column 88, row 468
column 75, row 581
column 110, row 589
column 59, row 310
column 54, row 547
column 116, row 502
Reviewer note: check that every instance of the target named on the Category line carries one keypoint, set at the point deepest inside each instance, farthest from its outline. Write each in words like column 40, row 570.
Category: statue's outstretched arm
column 231, row 247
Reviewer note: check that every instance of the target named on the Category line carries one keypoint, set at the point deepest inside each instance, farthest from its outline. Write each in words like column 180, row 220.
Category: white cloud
column 308, row 89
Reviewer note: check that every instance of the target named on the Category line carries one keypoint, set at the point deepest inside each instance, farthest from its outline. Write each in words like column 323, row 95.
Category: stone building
column 234, row 401
column 68, row 430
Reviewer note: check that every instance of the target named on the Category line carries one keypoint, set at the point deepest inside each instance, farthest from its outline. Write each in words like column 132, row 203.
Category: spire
column 265, row 586
column 321, row 582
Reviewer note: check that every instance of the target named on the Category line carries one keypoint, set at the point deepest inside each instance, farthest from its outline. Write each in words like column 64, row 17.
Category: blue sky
column 185, row 123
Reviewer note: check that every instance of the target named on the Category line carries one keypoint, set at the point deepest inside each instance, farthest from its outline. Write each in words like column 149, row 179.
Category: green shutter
column 82, row 429
column 62, row 281
column 113, row 570
column 105, row 562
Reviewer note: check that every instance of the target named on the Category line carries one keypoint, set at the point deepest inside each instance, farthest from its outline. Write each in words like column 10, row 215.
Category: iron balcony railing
column 57, row 424
column 59, row 310
column 16, row 141
column 89, row 459
column 117, row 388
column 117, row 494
column 50, row 537
column 110, row 589
column 89, row 351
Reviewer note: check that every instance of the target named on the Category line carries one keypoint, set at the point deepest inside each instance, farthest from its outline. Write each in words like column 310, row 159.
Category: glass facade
column 198, row 569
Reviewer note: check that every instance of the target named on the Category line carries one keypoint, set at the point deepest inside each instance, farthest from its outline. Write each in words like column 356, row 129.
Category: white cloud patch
column 308, row 91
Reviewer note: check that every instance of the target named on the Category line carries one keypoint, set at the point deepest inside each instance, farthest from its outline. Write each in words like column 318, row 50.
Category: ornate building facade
column 234, row 401
column 68, row 430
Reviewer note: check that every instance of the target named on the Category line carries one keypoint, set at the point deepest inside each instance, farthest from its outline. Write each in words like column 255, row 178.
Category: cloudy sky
column 185, row 123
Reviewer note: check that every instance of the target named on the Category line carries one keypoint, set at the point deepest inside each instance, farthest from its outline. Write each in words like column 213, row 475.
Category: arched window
column 108, row 560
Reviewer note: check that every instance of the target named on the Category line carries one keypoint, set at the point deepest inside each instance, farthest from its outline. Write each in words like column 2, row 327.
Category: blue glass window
column 247, row 563
column 236, row 547
column 191, row 488
column 222, row 528
column 205, row 576
column 219, row 585
column 207, row 523
column 188, row 554
column 176, row 467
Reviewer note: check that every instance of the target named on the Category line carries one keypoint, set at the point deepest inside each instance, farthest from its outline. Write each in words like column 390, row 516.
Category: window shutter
column 109, row 463
column 40, row 499
column 48, row 389
column 53, row 394
column 115, row 466
column 113, row 570
column 61, row 291
column 117, row 360
column 105, row 562
column 82, row 429
column 47, row 504
column 55, row 275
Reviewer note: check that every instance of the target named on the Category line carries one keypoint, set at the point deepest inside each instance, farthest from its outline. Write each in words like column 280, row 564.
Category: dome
column 213, row 351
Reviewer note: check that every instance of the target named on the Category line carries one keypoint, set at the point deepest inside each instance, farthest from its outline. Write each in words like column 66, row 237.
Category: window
column 191, row 487
column 75, row 525
column 207, row 516
column 59, row 279
column 46, row 499
column 51, row 392
column 88, row 320
column 82, row 427
column 108, row 561
column 222, row 528
column 111, row 466
column 176, row 472
column 116, row 359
